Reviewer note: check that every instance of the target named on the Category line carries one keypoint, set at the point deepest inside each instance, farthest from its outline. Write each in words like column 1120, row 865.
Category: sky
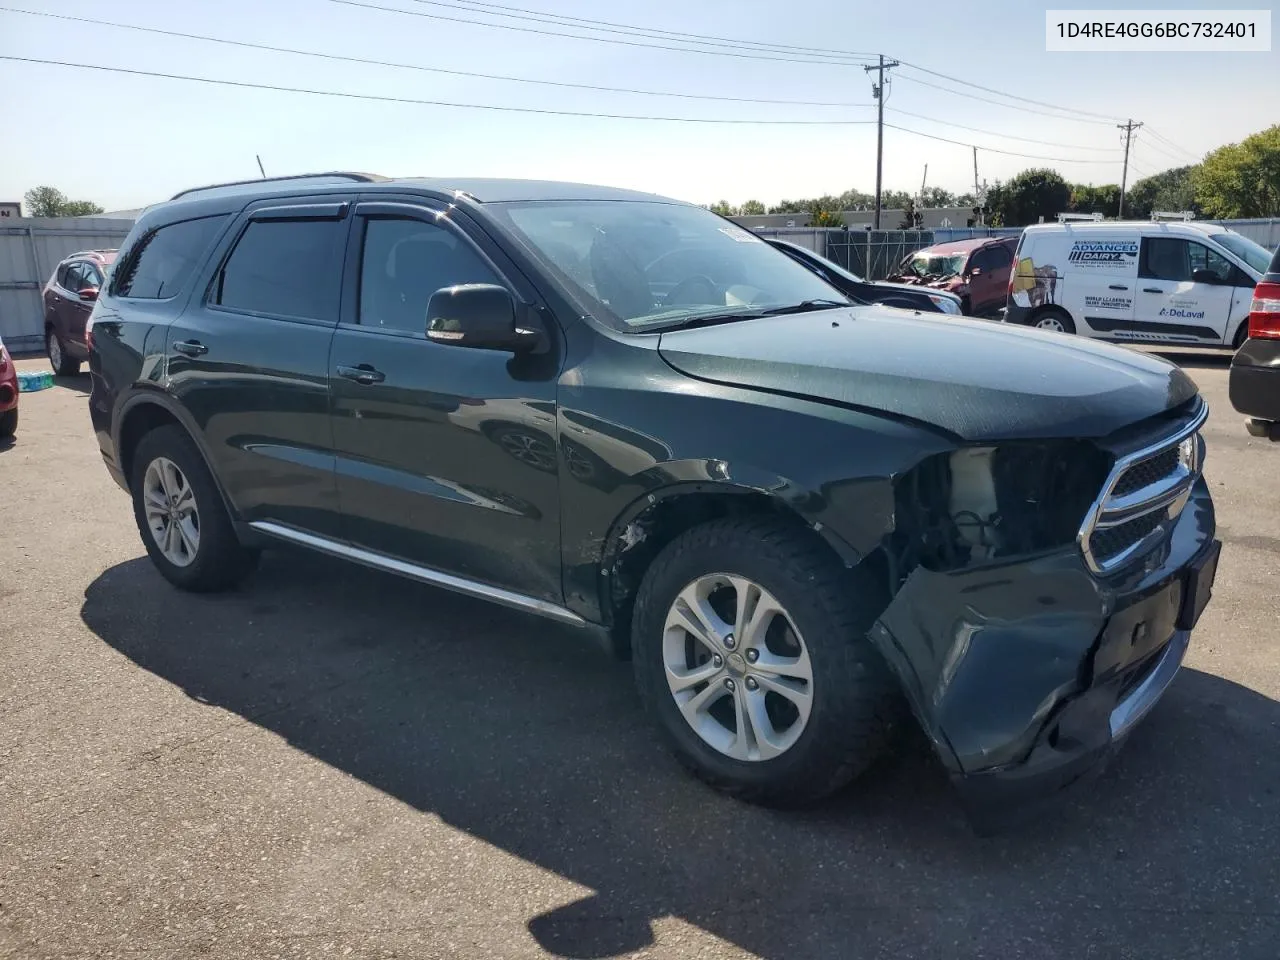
column 125, row 141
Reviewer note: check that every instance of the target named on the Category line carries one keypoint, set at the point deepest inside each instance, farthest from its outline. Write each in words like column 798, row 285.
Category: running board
column 471, row 588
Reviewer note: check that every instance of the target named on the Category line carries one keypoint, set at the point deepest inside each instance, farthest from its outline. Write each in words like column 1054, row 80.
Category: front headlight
column 946, row 305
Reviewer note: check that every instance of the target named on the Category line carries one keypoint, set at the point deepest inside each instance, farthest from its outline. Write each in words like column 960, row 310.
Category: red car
column 68, row 299
column 976, row 270
column 8, row 395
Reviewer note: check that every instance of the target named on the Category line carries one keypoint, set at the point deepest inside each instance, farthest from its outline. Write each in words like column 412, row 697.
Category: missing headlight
column 987, row 503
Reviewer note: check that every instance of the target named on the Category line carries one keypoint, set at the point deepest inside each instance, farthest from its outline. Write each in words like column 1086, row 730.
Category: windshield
column 1255, row 256
column 925, row 264
column 643, row 265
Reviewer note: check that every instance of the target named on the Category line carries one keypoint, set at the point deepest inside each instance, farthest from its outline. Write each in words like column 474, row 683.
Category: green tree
column 934, row 197
column 724, row 208
column 1029, row 196
column 52, row 202
column 752, row 208
column 1168, row 190
column 1242, row 179
column 824, row 212
column 894, row 199
column 1086, row 198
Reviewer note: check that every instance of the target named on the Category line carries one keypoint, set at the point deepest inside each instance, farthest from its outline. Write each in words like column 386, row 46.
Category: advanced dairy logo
column 1113, row 254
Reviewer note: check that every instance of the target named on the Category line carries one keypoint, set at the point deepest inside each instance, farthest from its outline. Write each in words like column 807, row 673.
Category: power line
column 1008, row 153
column 574, row 36
column 1007, row 136
column 430, row 103
column 1165, row 140
column 1010, row 96
column 1163, row 151
column 413, row 66
column 1008, row 106
column 610, row 26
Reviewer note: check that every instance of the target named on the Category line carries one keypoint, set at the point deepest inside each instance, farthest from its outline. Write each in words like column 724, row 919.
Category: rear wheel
column 1242, row 334
column 750, row 649
column 63, row 364
column 181, row 516
column 8, row 424
column 1057, row 321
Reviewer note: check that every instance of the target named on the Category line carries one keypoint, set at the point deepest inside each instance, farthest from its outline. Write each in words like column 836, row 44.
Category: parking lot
column 336, row 763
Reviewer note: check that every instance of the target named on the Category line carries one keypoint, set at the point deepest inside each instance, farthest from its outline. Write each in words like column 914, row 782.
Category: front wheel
column 8, row 424
column 1055, row 321
column 181, row 516
column 750, row 648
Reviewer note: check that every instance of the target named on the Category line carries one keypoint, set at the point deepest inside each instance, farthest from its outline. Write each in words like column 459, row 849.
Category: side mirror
column 88, row 294
column 481, row 315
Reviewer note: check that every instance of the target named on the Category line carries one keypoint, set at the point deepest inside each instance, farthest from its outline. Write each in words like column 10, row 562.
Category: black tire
column 1242, row 334
column 8, row 424
column 221, row 561
column 856, row 701
column 65, row 365
column 1064, row 318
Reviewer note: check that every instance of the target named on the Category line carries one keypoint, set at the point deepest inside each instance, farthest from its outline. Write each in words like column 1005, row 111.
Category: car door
column 447, row 456
column 997, row 263
column 59, row 298
column 1183, row 292
column 77, row 309
column 248, row 359
column 985, row 290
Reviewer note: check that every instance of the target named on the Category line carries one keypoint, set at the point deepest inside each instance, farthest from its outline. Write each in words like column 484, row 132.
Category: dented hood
column 975, row 379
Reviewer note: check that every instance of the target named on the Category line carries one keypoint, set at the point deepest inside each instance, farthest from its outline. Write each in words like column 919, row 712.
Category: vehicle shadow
column 526, row 736
column 80, row 383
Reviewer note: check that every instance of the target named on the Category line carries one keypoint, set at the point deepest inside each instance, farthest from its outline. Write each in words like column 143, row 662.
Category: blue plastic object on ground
column 31, row 382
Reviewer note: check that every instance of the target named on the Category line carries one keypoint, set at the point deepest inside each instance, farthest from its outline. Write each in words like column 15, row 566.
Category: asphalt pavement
column 332, row 762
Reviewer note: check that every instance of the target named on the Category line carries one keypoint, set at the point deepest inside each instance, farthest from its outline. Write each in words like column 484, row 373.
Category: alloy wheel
column 737, row 667
column 172, row 515
column 55, row 352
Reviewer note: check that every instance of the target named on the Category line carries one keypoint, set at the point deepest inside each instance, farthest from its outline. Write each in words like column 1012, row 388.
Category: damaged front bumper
column 1026, row 675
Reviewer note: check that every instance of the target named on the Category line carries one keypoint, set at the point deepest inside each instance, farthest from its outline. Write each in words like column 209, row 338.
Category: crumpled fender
column 985, row 655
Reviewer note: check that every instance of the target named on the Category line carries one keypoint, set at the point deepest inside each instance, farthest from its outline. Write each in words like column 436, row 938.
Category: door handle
column 190, row 348
column 362, row 374
column 1118, row 286
column 1152, row 290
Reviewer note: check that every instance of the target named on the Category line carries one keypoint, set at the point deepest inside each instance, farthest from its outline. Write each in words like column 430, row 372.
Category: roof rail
column 336, row 174
column 1173, row 215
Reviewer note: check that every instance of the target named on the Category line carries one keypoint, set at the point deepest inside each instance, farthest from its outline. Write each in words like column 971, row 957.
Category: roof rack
column 1074, row 217
column 333, row 175
column 1173, row 215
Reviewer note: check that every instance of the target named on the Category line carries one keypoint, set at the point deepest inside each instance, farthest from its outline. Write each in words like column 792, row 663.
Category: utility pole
column 923, row 180
column 878, row 91
column 977, row 190
column 1128, row 129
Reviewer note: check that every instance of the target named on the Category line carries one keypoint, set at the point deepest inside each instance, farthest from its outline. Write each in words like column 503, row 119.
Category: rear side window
column 285, row 268
column 165, row 259
column 1001, row 256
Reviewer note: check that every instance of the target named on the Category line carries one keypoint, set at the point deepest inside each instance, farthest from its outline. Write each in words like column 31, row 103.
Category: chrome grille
column 1144, row 490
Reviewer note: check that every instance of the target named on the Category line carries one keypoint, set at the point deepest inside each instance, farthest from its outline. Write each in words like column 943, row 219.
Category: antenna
column 260, row 170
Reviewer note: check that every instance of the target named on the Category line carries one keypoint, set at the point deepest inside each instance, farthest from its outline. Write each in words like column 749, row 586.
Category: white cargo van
column 1144, row 282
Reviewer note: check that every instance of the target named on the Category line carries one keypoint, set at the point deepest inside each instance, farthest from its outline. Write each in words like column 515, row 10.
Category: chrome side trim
column 1135, row 706
column 1168, row 494
column 449, row 581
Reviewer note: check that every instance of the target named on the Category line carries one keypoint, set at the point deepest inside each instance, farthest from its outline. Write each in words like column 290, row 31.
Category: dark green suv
column 628, row 414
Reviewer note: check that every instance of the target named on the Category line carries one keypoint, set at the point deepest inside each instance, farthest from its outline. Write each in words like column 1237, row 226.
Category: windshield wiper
column 804, row 306
column 712, row 318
